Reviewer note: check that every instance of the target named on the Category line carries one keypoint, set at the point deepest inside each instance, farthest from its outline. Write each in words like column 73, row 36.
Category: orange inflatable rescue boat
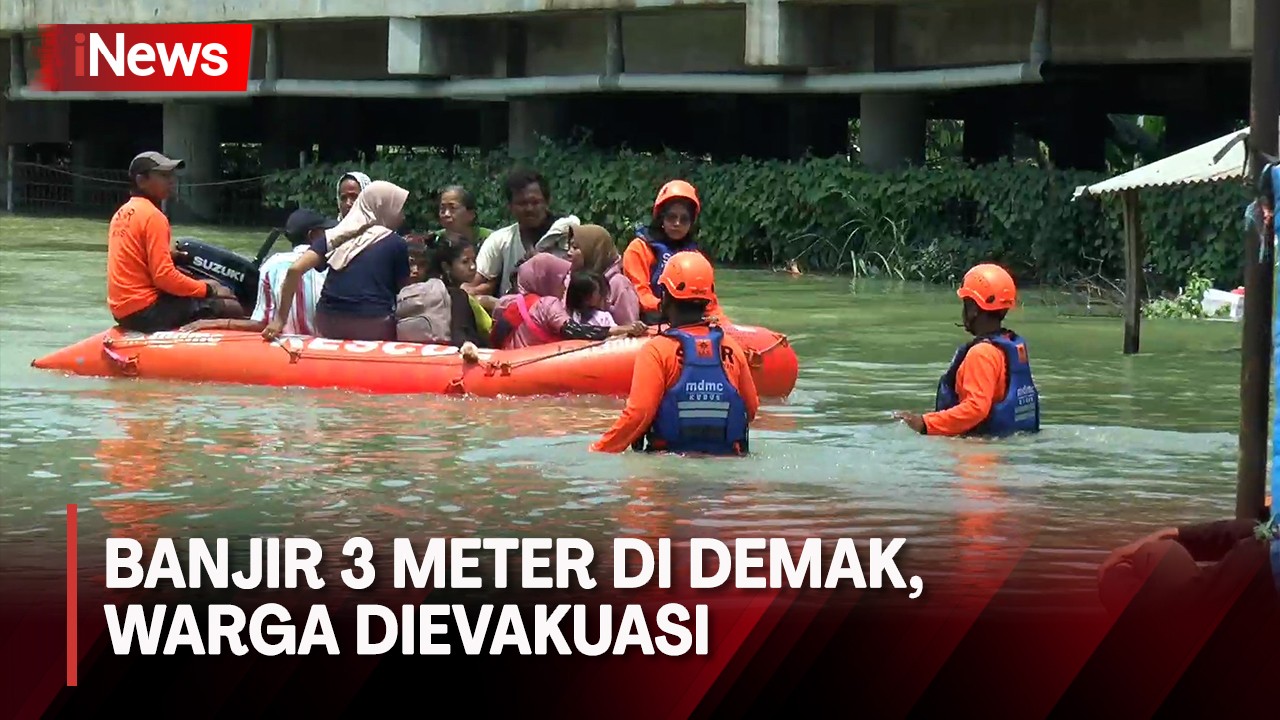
column 572, row 367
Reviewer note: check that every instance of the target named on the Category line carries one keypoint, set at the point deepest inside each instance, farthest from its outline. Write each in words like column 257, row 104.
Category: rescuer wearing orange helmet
column 672, row 230
column 988, row 390
column 691, row 390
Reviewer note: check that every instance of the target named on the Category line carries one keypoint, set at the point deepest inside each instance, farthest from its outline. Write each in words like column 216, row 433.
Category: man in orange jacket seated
column 673, row 230
column 988, row 390
column 145, row 291
column 691, row 391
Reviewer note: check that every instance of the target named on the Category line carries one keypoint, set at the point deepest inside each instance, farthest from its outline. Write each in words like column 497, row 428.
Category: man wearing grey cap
column 302, row 228
column 145, row 291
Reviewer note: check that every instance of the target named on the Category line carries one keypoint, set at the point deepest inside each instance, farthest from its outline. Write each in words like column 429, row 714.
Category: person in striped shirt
column 302, row 227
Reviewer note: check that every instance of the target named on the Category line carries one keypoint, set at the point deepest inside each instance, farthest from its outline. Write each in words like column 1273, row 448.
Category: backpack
column 424, row 313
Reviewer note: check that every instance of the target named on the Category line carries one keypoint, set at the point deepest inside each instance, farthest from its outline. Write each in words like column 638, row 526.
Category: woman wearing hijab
column 591, row 248
column 350, row 186
column 536, row 315
column 367, row 263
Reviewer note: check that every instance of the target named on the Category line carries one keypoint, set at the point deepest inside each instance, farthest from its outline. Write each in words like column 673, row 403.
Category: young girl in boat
column 673, row 229
column 585, row 299
column 434, row 309
column 536, row 315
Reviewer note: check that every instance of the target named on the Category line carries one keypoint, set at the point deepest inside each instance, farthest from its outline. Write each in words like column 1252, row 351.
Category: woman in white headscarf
column 368, row 264
column 350, row 186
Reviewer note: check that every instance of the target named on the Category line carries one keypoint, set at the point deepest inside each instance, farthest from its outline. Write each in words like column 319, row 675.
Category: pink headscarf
column 543, row 274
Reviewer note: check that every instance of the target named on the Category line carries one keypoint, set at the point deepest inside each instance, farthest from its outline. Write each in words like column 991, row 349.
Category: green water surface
column 1129, row 443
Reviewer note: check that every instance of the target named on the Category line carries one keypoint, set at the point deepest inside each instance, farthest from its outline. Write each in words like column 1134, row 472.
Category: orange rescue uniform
column 980, row 382
column 139, row 264
column 637, row 264
column 657, row 369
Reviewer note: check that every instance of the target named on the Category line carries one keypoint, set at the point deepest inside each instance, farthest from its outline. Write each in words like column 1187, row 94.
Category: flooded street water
column 1129, row 443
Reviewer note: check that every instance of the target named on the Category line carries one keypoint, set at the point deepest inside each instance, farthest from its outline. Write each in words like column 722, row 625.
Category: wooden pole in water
column 11, row 167
column 1135, row 282
column 1259, row 270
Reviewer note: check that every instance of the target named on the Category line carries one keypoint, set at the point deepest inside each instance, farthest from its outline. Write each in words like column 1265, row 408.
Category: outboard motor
column 210, row 262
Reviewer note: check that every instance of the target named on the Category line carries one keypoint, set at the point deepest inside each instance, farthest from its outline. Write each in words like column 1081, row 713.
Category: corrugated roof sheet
column 1196, row 165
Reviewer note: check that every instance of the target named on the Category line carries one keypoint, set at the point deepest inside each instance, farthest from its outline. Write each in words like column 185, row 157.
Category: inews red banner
column 145, row 58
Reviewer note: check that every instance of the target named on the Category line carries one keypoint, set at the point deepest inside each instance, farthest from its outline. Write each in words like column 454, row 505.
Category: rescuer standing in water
column 691, row 391
column 988, row 390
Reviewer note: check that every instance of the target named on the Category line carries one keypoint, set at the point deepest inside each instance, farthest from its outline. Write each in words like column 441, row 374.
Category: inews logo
column 145, row 58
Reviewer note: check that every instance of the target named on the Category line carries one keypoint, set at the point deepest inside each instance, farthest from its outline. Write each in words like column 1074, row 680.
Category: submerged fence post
column 10, row 166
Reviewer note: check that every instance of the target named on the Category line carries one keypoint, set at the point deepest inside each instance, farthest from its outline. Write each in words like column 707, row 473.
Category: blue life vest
column 662, row 253
column 1275, row 558
column 1019, row 409
column 703, row 412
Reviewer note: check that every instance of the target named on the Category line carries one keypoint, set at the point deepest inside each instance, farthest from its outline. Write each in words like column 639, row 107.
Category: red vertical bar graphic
column 73, row 654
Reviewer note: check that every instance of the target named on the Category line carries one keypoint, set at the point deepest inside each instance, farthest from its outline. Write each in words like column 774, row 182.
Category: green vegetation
column 1186, row 305
column 833, row 215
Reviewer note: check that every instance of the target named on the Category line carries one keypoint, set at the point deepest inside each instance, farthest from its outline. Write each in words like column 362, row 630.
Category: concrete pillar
column 438, row 47
column 529, row 119
column 892, row 130
column 17, row 61
column 784, row 34
column 1242, row 25
column 191, row 134
column 769, row 28
column 416, row 46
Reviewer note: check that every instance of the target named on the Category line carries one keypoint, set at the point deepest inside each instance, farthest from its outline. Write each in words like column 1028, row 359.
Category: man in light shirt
column 536, row 230
column 302, row 227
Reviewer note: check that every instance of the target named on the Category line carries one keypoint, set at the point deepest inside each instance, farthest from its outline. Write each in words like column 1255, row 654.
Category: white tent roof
column 1197, row 165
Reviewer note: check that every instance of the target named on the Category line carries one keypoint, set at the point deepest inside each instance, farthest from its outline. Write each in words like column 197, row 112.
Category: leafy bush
column 833, row 215
column 1186, row 305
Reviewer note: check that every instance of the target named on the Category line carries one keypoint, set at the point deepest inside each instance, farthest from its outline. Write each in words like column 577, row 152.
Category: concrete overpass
column 351, row 74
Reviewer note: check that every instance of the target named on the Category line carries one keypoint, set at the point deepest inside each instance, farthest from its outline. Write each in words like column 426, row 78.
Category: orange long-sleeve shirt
column 139, row 264
column 980, row 381
column 637, row 264
column 658, row 368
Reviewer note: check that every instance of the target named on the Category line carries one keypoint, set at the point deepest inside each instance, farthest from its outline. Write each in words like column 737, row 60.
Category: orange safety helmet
column 688, row 276
column 678, row 190
column 990, row 286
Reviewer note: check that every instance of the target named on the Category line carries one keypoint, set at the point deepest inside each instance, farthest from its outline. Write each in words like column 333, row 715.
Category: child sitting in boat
column 433, row 308
column 536, row 315
column 585, row 299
